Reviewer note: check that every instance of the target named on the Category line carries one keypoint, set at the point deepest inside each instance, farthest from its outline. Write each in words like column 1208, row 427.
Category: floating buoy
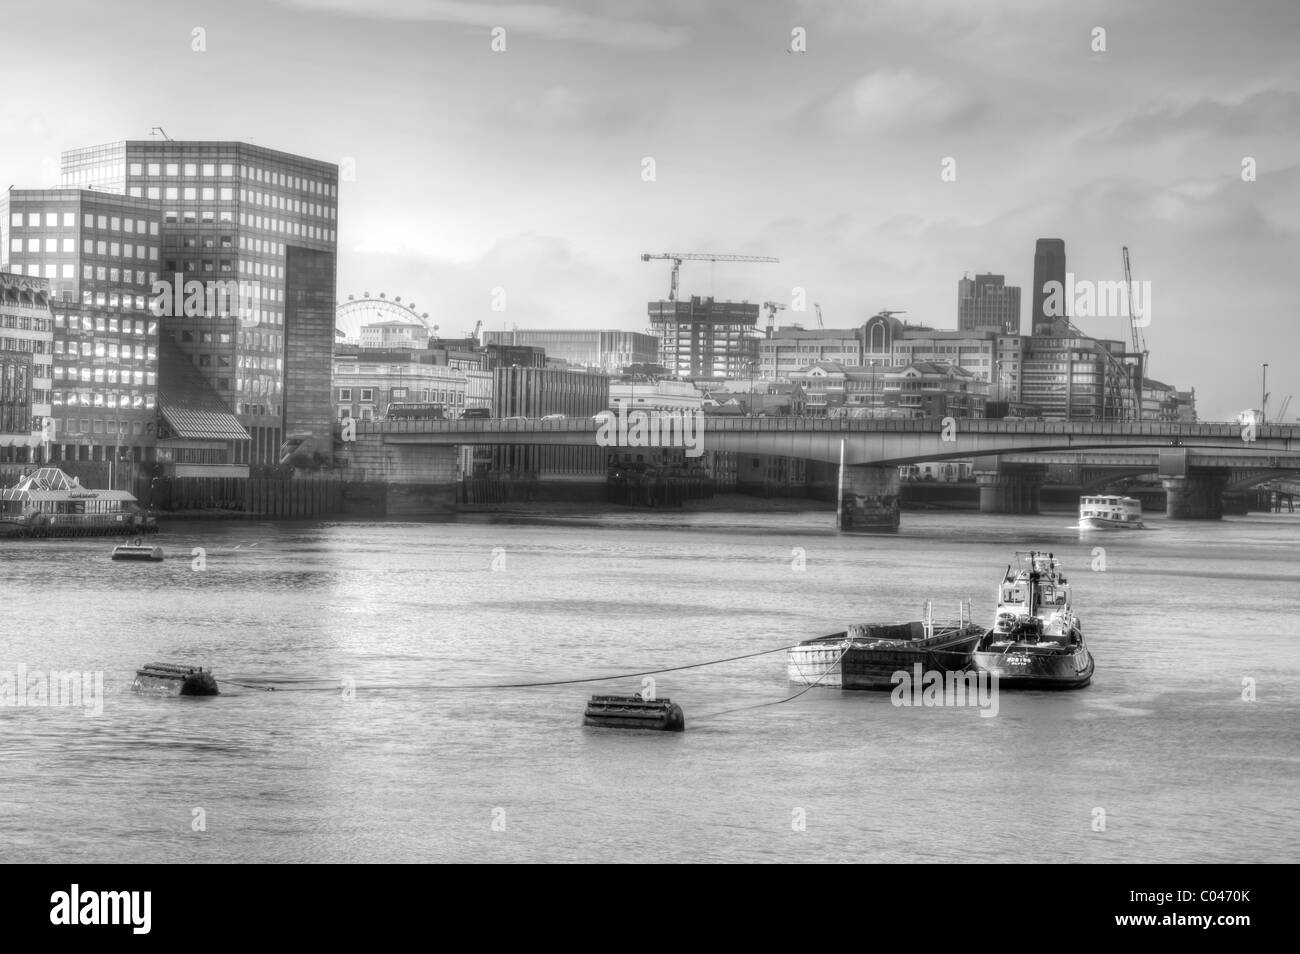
column 136, row 550
column 172, row 680
column 633, row 712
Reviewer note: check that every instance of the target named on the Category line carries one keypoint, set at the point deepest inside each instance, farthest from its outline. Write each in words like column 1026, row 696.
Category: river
column 374, row 763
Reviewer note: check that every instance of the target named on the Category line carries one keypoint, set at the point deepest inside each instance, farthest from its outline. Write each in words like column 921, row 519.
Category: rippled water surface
column 1184, row 769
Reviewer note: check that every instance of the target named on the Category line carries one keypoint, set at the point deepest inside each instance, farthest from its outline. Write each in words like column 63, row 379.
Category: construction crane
column 1283, row 409
column 678, row 257
column 1139, row 344
column 477, row 328
column 819, row 315
column 772, row 308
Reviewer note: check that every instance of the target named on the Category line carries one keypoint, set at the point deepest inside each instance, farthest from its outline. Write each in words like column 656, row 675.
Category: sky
column 469, row 169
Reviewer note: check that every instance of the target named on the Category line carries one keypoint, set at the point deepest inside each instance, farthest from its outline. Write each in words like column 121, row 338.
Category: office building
column 391, row 335
column 366, row 381
column 987, row 303
column 1049, row 266
column 260, row 225
column 100, row 254
column 26, row 365
column 793, row 349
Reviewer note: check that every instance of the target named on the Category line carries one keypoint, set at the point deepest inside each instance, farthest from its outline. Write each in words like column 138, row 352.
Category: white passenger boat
column 1110, row 513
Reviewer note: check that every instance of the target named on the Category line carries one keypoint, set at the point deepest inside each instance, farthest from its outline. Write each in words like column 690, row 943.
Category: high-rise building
column 26, row 371
column 987, row 303
column 99, row 253
column 703, row 338
column 1049, row 266
column 607, row 351
column 261, row 224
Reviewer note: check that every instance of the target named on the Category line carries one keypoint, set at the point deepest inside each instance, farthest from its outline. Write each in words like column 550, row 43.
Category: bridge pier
column 869, row 499
column 1194, row 497
column 1011, row 489
column 1236, row 504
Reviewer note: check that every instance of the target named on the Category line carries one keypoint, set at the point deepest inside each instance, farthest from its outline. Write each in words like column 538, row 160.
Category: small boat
column 1036, row 641
column 1110, row 513
column 173, row 680
column 869, row 655
column 634, row 712
column 139, row 551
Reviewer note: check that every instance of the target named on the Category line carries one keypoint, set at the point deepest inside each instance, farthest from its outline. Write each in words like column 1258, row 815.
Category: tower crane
column 678, row 257
column 1139, row 343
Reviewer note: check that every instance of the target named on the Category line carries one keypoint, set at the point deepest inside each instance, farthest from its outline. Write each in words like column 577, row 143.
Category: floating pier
column 633, row 712
column 171, row 680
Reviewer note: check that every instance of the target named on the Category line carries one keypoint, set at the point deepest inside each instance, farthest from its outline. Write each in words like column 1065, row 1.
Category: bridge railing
column 849, row 425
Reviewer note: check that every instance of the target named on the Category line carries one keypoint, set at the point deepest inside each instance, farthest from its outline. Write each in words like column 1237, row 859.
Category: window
column 227, row 194
column 345, row 394
column 367, row 394
column 209, row 169
column 227, row 169
column 190, row 193
column 153, row 192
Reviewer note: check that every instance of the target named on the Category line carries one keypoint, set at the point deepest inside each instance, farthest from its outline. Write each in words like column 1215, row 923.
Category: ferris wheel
column 365, row 309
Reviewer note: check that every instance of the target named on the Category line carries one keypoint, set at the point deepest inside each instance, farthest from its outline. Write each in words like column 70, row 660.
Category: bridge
column 1197, row 463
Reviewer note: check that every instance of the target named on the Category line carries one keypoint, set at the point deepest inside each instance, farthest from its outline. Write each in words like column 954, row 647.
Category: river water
column 1163, row 743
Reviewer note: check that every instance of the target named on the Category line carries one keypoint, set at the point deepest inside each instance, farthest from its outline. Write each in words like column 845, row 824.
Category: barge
column 868, row 655
column 168, row 679
column 634, row 712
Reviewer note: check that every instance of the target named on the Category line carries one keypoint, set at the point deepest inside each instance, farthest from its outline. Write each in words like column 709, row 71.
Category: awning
column 203, row 425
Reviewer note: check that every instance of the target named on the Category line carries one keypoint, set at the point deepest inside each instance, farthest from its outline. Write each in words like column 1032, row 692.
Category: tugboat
column 867, row 655
column 1036, row 641
column 1110, row 513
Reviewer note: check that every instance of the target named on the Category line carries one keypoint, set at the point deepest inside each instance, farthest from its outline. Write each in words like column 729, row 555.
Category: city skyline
column 522, row 169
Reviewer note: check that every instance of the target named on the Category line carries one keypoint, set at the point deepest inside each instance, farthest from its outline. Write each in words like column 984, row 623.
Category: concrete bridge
column 1197, row 463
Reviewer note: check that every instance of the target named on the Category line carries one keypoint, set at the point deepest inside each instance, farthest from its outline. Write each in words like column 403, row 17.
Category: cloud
column 901, row 99
column 528, row 19
column 1262, row 113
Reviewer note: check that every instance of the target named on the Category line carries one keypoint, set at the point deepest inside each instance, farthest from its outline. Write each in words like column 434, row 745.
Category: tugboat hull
column 1025, row 667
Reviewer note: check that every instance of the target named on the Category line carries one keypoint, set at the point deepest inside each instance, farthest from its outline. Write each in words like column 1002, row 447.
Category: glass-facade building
column 257, row 228
column 99, row 254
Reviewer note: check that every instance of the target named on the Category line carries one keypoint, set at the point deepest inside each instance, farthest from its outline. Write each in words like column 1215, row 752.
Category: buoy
column 633, row 712
column 171, row 680
column 136, row 550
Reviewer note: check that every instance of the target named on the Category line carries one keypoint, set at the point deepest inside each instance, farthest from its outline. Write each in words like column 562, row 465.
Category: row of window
column 72, row 425
column 103, row 223
column 106, row 376
column 404, row 394
column 133, row 400
column 24, row 323
column 105, row 323
column 104, row 349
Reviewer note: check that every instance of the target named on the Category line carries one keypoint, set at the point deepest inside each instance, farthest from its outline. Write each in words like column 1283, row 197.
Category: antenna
column 158, row 131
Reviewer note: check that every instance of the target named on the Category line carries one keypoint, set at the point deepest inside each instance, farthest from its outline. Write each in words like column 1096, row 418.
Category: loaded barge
column 867, row 655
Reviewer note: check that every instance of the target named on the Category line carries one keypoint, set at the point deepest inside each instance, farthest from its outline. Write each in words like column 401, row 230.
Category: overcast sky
column 523, row 169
